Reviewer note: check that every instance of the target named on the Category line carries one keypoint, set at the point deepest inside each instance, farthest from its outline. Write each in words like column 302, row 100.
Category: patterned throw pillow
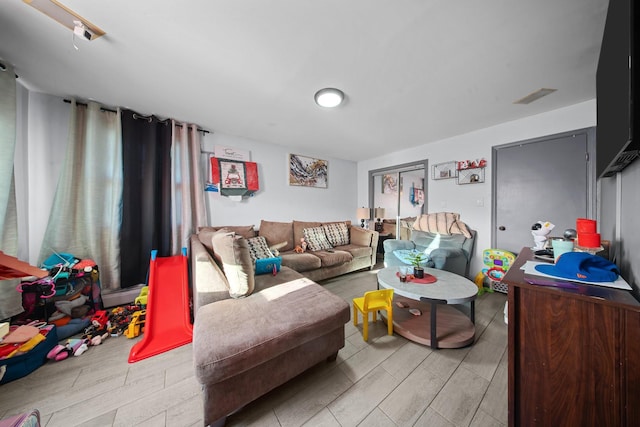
column 337, row 233
column 316, row 239
column 258, row 248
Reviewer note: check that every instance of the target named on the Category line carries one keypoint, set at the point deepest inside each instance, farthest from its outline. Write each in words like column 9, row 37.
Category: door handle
column 502, row 228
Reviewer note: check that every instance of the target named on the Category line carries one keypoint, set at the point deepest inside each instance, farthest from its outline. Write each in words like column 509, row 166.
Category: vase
column 418, row 272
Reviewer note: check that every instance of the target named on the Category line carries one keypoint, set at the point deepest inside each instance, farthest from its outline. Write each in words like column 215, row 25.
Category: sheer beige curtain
column 10, row 301
column 86, row 216
column 187, row 194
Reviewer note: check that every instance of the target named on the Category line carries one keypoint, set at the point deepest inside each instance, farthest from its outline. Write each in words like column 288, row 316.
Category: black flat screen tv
column 616, row 88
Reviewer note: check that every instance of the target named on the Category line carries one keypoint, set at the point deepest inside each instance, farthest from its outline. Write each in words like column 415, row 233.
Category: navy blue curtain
column 146, row 199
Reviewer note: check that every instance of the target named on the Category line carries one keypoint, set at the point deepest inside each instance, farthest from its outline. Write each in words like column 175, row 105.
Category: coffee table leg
column 434, row 334
column 434, row 304
column 473, row 312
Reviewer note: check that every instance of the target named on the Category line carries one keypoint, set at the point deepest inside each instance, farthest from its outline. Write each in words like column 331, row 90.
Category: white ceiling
column 414, row 71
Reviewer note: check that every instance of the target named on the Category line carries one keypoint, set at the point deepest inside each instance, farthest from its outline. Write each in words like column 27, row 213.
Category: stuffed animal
column 302, row 247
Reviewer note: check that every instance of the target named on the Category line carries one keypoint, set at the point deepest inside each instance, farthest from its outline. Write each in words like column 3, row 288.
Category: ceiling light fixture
column 67, row 17
column 329, row 97
column 534, row 96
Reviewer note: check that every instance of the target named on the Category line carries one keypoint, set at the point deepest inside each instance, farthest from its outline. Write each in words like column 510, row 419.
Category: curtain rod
column 135, row 115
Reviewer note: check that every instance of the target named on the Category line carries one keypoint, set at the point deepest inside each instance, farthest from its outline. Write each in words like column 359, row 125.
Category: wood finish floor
column 388, row 381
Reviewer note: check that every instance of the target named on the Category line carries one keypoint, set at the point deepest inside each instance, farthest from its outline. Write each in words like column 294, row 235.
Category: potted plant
column 417, row 258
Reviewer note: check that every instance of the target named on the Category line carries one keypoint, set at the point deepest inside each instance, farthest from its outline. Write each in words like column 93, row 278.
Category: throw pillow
column 237, row 264
column 258, row 248
column 316, row 239
column 298, row 229
column 337, row 233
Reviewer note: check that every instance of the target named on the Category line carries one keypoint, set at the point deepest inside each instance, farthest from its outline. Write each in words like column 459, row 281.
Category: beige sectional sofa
column 253, row 332
column 359, row 253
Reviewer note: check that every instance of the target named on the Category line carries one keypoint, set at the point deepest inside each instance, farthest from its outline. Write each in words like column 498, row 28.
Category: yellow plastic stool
column 372, row 302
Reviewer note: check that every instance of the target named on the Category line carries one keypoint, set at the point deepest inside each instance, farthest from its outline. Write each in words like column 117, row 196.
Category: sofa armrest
column 363, row 237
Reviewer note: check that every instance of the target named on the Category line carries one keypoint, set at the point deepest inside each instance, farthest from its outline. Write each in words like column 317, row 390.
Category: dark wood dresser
column 574, row 354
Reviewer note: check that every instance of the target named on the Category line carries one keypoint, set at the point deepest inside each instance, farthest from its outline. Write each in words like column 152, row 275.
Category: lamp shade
column 378, row 213
column 363, row 213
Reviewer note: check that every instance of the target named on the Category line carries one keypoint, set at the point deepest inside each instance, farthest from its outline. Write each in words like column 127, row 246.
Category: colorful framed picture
column 389, row 184
column 308, row 171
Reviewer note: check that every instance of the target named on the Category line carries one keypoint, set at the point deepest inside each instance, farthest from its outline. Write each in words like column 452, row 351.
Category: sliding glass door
column 399, row 190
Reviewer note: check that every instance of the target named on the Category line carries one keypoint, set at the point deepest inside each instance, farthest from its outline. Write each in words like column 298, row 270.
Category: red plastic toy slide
column 168, row 320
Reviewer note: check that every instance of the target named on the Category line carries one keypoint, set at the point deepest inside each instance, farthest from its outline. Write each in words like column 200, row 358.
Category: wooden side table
column 381, row 238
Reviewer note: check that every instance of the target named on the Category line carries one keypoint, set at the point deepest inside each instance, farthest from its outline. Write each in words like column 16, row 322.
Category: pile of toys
column 125, row 320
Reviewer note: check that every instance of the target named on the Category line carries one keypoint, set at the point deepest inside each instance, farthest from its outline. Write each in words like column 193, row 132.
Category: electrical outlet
column 480, row 202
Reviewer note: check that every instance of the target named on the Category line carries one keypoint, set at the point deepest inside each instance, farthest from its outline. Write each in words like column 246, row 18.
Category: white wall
column 277, row 200
column 473, row 201
column 629, row 229
column 620, row 204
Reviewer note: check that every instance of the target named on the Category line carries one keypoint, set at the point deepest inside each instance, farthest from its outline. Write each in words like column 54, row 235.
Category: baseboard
column 122, row 296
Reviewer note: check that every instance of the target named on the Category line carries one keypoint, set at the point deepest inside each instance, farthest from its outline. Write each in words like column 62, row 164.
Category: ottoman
column 243, row 348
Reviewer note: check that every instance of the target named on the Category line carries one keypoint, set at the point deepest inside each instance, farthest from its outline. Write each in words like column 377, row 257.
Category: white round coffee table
column 438, row 327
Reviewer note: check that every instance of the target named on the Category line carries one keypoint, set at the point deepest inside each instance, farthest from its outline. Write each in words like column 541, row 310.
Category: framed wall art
column 389, row 184
column 308, row 171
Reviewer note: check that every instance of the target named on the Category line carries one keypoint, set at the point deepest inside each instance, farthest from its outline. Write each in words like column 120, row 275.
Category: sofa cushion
column 300, row 262
column 357, row 251
column 298, row 229
column 258, row 248
column 227, row 343
column 337, row 233
column 276, row 233
column 286, row 274
column 233, row 251
column 316, row 239
column 329, row 259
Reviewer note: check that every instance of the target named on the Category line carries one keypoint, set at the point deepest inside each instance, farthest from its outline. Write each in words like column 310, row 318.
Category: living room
column 43, row 121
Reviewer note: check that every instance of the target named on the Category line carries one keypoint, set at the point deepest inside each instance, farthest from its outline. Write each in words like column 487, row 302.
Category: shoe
column 59, row 352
